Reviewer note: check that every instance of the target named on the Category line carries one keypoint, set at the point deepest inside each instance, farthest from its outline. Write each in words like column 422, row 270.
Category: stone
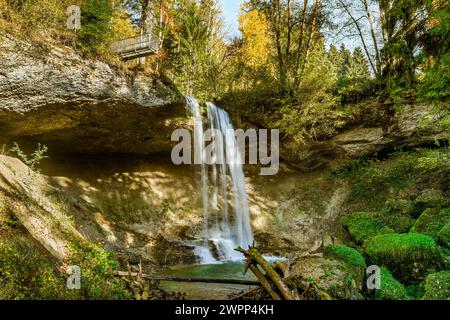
column 430, row 198
column 330, row 275
column 74, row 105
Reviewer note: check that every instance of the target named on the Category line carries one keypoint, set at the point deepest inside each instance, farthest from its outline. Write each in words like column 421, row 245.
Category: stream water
column 224, row 197
column 208, row 291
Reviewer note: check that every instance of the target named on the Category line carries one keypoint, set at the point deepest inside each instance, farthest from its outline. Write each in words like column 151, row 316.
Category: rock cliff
column 74, row 105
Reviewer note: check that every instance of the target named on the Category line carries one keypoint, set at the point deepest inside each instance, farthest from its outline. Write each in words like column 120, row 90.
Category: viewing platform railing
column 136, row 47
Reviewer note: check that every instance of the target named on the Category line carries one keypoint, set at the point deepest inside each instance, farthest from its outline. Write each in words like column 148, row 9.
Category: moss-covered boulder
column 409, row 256
column 347, row 254
column 400, row 206
column 437, row 286
column 444, row 235
column 363, row 225
column 430, row 198
column 390, row 289
column 400, row 223
column 431, row 221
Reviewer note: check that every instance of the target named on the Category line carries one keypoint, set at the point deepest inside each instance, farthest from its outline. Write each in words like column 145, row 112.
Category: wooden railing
column 136, row 47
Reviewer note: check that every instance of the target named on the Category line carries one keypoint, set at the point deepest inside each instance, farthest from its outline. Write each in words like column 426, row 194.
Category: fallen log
column 185, row 279
column 264, row 282
column 254, row 257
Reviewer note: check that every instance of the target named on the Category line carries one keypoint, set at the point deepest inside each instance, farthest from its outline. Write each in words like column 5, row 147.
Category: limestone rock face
column 412, row 125
column 75, row 105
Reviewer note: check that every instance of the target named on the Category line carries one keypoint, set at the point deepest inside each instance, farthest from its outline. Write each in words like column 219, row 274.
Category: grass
column 28, row 273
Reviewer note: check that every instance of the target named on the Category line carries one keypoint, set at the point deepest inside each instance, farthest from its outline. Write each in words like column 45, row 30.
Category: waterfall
column 224, row 196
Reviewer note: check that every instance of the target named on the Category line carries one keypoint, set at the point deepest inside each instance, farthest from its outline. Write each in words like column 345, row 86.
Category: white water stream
column 224, row 197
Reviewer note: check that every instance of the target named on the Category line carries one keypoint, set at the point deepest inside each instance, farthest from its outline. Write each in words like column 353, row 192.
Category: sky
column 230, row 10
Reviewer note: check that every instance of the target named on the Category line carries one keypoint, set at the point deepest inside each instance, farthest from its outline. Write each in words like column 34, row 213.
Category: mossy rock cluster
column 430, row 198
column 391, row 289
column 409, row 256
column 437, row 286
column 362, row 226
column 444, row 236
column 432, row 221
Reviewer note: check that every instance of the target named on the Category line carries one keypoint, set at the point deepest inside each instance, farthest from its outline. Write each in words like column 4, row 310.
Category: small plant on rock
column 32, row 160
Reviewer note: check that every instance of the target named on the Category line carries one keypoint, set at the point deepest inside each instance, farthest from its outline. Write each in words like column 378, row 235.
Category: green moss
column 372, row 184
column 437, row 286
column 390, row 289
column 353, row 264
column 362, row 226
column 431, row 198
column 415, row 291
column 348, row 255
column 409, row 256
column 431, row 221
column 400, row 206
column 444, row 235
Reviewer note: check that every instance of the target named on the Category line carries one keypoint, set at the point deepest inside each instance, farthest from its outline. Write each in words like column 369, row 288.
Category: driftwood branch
column 255, row 258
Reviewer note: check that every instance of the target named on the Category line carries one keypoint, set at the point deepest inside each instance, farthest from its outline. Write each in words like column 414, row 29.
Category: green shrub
column 437, row 286
column 362, row 226
column 432, row 221
column 409, row 256
column 27, row 273
column 373, row 184
column 390, row 289
column 97, row 266
column 32, row 160
column 444, row 235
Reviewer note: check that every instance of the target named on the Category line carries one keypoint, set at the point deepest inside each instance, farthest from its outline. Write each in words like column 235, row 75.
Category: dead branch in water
column 253, row 259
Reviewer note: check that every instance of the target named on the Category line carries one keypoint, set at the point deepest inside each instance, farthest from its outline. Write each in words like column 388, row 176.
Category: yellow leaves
column 122, row 26
column 256, row 42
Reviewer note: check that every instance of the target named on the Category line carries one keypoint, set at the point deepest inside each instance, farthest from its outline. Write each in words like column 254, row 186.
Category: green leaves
column 95, row 30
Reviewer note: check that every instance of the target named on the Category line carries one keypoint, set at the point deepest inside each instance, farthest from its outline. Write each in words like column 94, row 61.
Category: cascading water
column 222, row 180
